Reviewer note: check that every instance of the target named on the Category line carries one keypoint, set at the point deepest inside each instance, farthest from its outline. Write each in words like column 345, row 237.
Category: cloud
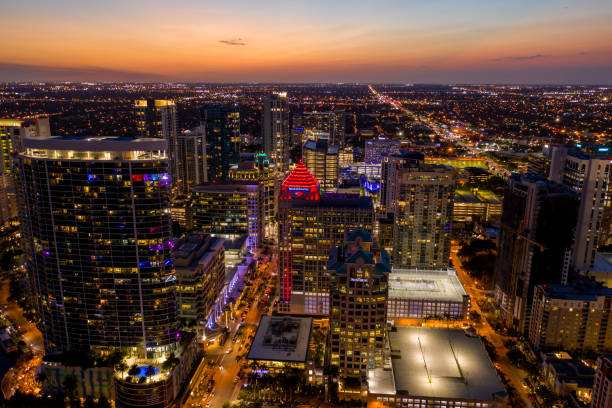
column 235, row 41
column 519, row 58
column 26, row 72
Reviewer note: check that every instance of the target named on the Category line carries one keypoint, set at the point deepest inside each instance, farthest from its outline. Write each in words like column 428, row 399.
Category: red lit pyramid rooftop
column 300, row 185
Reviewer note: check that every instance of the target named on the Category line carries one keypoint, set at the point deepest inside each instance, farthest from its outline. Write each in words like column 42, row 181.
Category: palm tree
column 134, row 370
column 122, row 367
column 171, row 362
column 41, row 377
column 150, row 371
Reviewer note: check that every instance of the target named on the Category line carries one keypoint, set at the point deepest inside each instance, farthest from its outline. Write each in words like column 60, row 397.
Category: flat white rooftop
column 441, row 285
column 439, row 363
column 281, row 338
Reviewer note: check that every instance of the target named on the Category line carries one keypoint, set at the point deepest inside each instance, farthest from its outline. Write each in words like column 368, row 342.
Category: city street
column 221, row 360
column 22, row 376
column 514, row 375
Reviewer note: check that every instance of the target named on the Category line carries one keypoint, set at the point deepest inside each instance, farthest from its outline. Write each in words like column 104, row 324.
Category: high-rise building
column 359, row 284
column 571, row 317
column 95, row 223
column 533, row 244
column 222, row 129
column 423, row 214
column 588, row 174
column 199, row 261
column 602, row 386
column 259, row 171
column 313, row 125
column 275, row 125
column 10, row 130
column 322, row 161
column 158, row 118
column 229, row 210
column 191, row 157
column 376, row 149
column 310, row 224
column 388, row 175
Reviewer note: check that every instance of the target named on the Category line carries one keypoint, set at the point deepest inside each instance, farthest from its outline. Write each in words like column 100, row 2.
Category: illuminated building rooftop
column 439, row 285
column 300, row 184
column 439, row 363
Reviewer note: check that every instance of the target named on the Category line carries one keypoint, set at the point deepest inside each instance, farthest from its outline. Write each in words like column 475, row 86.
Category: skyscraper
column 260, row 171
column 159, row 119
column 533, row 243
column 310, row 225
column 313, row 125
column 588, row 174
column 322, row 161
column 230, row 210
column 191, row 159
column 222, row 129
column 390, row 165
column 423, row 208
column 275, row 125
column 359, row 284
column 10, row 130
column 95, row 223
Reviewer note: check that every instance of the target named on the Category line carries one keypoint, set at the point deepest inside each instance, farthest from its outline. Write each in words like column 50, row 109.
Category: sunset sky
column 409, row 41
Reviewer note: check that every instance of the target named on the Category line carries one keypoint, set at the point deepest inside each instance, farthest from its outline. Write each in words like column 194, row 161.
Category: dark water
column 5, row 364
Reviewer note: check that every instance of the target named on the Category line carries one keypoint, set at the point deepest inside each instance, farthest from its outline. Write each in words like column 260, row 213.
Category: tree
column 41, row 377
column 475, row 316
column 122, row 367
column 150, row 371
column 134, row 370
column 171, row 362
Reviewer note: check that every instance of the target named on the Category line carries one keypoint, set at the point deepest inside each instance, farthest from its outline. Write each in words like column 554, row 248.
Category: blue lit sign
column 371, row 186
column 298, row 189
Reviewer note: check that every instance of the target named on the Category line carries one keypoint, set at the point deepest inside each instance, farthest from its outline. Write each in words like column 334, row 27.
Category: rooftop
column 425, row 284
column 281, row 338
column 440, row 363
column 95, row 143
column 603, row 262
column 585, row 290
column 300, row 184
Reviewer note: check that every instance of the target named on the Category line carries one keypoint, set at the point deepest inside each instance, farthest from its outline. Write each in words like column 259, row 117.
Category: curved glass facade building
column 96, row 230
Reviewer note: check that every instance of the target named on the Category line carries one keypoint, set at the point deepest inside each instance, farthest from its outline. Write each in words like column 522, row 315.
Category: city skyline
column 416, row 42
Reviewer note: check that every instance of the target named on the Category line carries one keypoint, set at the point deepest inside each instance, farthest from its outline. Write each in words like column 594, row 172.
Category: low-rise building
column 426, row 294
column 572, row 317
column 432, row 367
column 199, row 261
column 568, row 377
column 477, row 204
column 281, row 343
